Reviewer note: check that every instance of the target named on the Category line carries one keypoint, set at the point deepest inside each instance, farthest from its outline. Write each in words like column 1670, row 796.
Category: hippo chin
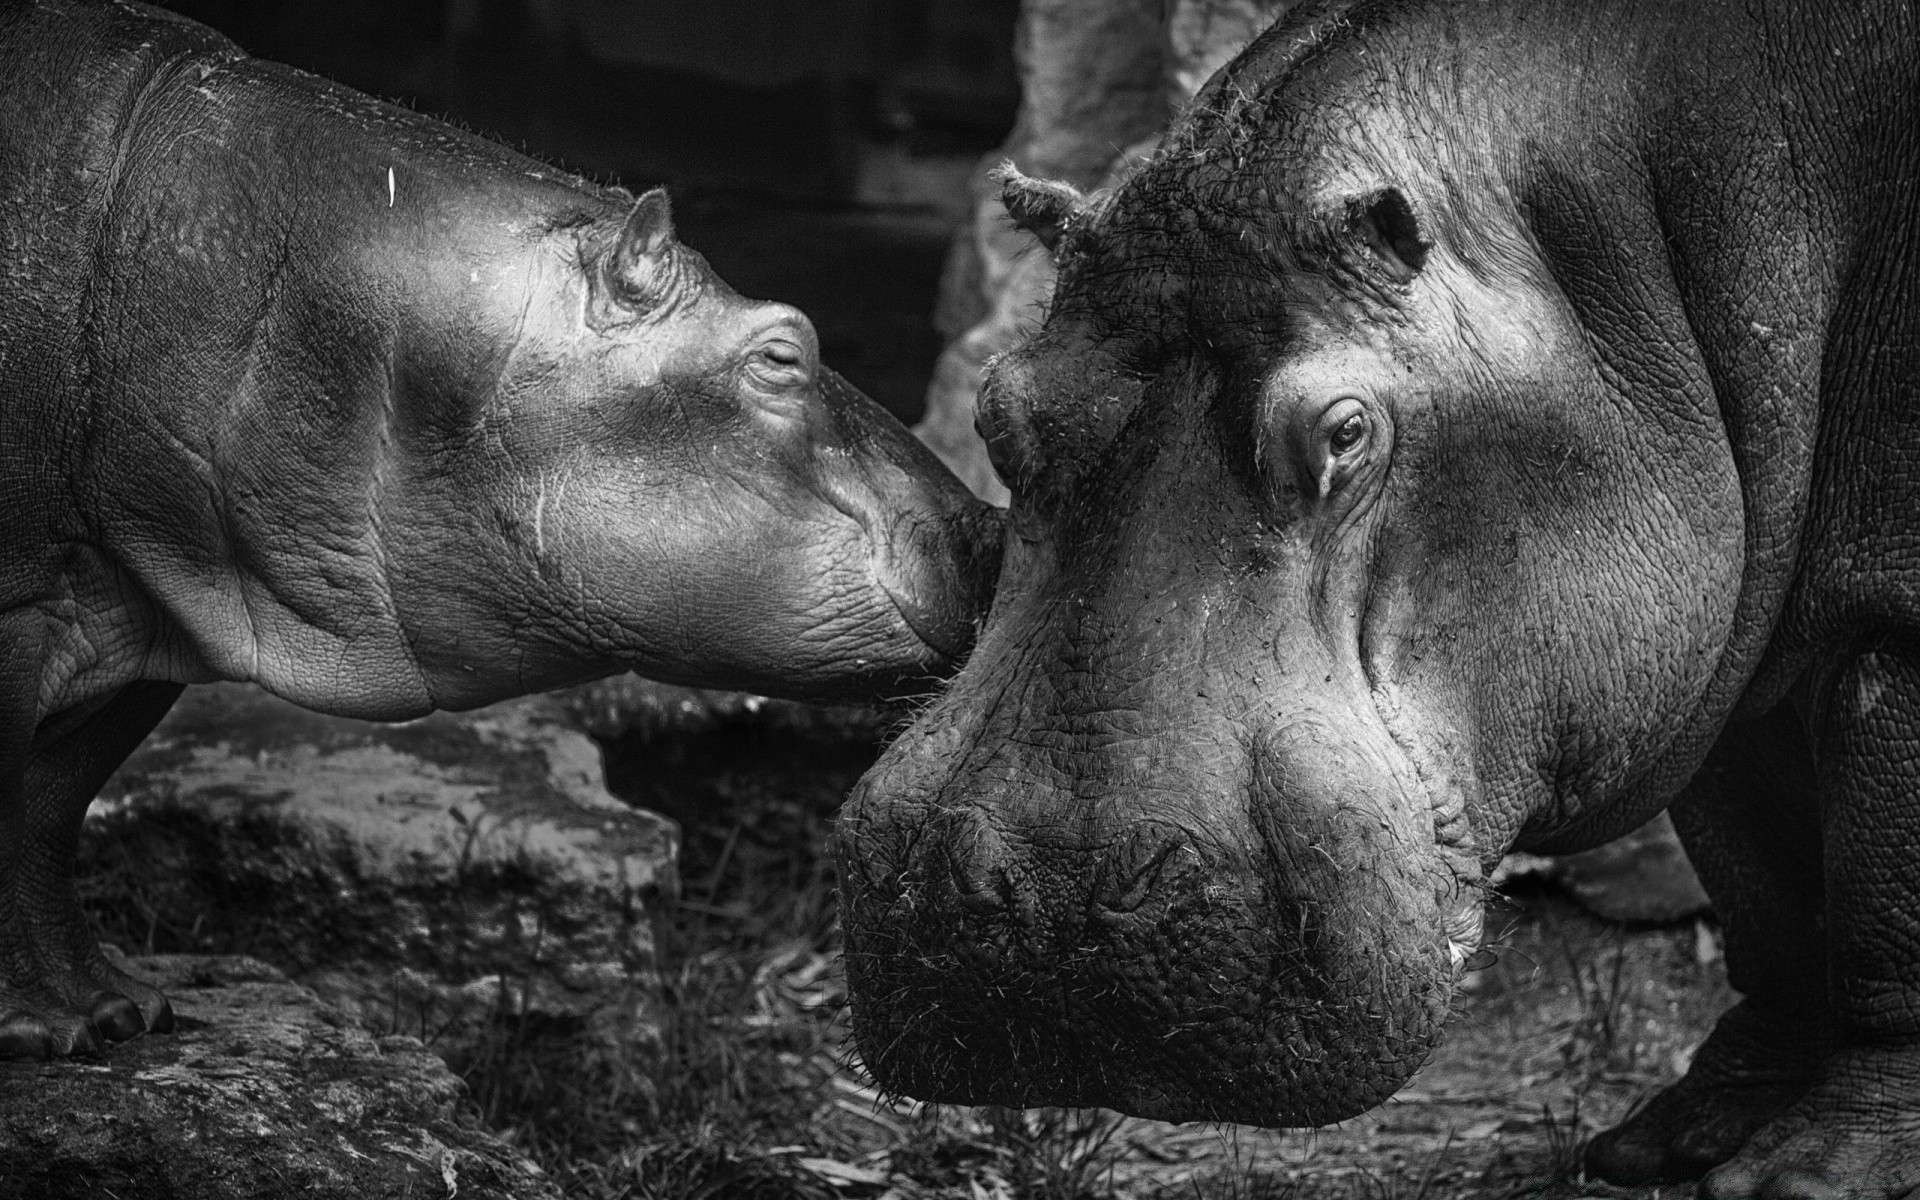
column 307, row 390
column 1482, row 424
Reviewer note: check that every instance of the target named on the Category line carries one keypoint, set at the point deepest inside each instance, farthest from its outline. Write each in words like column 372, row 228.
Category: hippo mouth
column 940, row 575
column 1202, row 1001
column 948, row 643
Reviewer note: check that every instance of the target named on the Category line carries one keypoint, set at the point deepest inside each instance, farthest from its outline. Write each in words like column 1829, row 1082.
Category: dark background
column 817, row 150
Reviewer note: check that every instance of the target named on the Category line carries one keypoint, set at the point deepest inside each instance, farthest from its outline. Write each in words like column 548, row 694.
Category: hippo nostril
column 982, row 893
column 981, row 881
column 1130, row 876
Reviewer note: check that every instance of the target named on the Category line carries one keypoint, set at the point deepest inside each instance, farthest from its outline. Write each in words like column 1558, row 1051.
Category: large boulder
column 264, row 1092
column 437, row 877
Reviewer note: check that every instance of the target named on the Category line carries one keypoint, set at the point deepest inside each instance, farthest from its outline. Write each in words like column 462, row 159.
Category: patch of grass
column 723, row 1097
column 1566, row 1141
column 1032, row 1154
column 1376, row 1187
column 748, row 1087
column 1602, row 1037
column 1236, row 1181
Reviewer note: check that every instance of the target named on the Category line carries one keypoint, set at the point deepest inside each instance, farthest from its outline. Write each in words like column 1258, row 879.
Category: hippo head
column 661, row 475
column 1342, row 555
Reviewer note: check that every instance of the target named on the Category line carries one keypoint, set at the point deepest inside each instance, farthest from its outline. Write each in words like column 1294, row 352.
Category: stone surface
column 429, row 877
column 1201, row 35
column 1096, row 76
column 264, row 1092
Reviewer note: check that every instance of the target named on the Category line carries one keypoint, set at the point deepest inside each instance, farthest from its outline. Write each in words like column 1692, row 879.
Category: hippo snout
column 1132, row 870
column 939, row 569
column 1154, row 972
column 1216, row 959
column 979, row 867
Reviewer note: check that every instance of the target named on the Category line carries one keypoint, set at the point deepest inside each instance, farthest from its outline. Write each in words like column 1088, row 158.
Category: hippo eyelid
column 783, row 351
column 778, row 364
column 997, row 425
column 784, row 357
column 1348, row 433
column 1339, row 438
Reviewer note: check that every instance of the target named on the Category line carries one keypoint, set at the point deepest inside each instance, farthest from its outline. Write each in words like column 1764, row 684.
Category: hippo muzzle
column 1233, row 954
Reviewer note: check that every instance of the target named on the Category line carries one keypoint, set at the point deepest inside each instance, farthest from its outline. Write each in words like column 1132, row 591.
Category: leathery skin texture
column 1481, row 425
column 307, row 390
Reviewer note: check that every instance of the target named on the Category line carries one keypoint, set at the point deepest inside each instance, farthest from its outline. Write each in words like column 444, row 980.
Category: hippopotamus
column 311, row 391
column 1483, row 424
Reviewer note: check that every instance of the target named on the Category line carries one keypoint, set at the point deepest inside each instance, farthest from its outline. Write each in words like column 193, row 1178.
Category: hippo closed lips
column 1482, row 424
column 308, row 390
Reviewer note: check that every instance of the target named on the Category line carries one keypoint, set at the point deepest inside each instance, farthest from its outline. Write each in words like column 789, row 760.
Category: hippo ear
column 1392, row 232
column 641, row 264
column 1046, row 208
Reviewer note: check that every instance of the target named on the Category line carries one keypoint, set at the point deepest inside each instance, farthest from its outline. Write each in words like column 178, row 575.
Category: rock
column 1201, row 35
column 265, row 1092
column 427, row 877
column 1090, row 81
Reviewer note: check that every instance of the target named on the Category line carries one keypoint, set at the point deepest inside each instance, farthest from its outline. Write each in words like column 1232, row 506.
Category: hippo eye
column 1348, row 433
column 1337, row 443
column 778, row 363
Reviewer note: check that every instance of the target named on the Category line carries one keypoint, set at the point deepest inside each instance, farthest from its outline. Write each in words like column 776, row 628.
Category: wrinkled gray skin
column 304, row 389
column 1483, row 424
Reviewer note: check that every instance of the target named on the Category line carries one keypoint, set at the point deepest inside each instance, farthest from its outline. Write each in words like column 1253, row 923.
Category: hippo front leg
column 60, row 995
column 1751, row 827
column 1856, row 1132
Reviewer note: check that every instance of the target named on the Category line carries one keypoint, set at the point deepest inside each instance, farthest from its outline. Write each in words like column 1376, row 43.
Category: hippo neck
column 1765, row 288
column 1707, row 237
column 1747, row 295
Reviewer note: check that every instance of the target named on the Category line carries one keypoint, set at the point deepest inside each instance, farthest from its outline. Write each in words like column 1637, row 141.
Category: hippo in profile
column 1485, row 423
column 308, row 390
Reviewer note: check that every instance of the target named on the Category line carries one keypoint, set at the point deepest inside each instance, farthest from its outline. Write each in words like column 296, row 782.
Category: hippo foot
column 78, row 1009
column 1752, row 1069
column 34, row 1029
column 1854, row 1136
column 115, row 1004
